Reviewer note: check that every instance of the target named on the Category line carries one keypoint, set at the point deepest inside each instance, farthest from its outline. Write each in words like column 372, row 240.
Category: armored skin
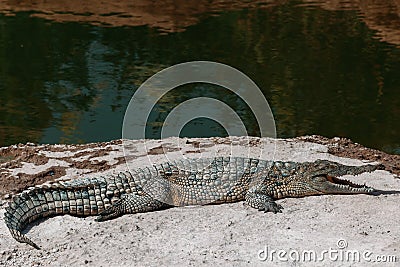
column 183, row 182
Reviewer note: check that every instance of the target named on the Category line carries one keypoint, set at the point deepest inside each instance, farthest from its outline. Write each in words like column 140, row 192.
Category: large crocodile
column 183, row 182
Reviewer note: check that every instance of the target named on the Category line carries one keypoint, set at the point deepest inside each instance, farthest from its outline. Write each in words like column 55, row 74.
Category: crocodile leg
column 258, row 199
column 129, row 204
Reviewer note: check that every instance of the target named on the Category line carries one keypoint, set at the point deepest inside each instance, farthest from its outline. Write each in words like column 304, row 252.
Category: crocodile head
column 321, row 177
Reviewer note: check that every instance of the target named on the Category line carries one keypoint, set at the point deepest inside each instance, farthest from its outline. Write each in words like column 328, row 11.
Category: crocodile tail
column 22, row 210
column 17, row 235
column 79, row 198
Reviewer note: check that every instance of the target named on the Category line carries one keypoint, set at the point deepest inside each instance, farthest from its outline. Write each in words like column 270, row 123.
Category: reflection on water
column 177, row 15
column 326, row 67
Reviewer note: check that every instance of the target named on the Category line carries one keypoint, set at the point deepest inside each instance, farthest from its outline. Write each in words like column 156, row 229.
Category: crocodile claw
column 272, row 207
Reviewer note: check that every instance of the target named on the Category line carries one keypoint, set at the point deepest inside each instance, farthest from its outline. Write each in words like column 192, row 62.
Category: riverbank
column 228, row 234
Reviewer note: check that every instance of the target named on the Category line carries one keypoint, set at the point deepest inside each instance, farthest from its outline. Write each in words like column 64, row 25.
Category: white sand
column 227, row 234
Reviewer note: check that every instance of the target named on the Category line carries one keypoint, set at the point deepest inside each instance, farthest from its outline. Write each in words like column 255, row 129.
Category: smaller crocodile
column 183, row 182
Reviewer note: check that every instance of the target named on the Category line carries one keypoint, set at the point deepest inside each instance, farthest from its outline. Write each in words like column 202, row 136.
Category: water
column 66, row 76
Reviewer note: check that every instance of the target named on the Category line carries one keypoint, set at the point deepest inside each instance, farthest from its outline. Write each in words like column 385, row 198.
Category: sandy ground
column 333, row 227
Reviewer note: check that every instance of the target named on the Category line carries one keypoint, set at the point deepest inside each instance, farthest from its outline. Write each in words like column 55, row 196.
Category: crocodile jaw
column 326, row 184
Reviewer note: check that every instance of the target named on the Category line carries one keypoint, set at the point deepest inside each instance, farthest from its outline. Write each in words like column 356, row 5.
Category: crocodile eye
column 319, row 178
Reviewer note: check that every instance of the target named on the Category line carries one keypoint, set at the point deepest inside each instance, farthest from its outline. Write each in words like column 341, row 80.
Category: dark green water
column 323, row 72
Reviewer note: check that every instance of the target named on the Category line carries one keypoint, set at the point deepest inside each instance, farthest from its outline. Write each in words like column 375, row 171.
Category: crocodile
column 179, row 183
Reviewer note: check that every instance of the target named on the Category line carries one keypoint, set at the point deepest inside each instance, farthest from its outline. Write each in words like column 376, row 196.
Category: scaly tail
column 83, row 197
